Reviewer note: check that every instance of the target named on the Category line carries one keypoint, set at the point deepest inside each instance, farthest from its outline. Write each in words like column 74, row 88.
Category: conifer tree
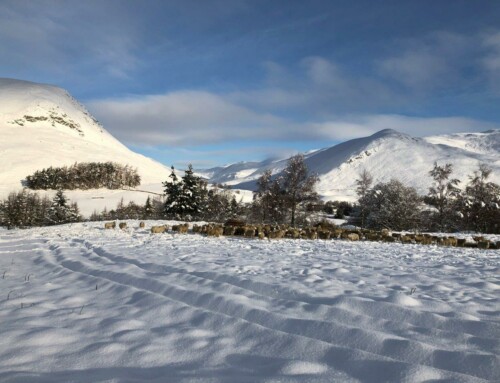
column 193, row 195
column 61, row 211
column 173, row 189
column 148, row 209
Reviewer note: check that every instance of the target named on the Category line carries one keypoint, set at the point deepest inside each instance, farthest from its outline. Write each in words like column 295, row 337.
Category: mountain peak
column 388, row 133
column 54, row 129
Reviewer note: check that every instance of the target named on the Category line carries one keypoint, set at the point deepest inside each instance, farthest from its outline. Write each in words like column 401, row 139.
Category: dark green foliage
column 185, row 199
column 148, row 211
column 343, row 208
column 84, row 175
column 61, row 211
column 26, row 209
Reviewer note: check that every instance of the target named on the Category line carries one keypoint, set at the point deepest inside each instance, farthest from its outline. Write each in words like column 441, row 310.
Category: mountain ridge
column 386, row 154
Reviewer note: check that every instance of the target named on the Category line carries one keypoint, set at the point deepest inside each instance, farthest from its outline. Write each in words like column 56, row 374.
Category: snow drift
column 84, row 304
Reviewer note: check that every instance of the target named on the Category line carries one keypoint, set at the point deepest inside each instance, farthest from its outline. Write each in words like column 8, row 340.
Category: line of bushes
column 84, row 175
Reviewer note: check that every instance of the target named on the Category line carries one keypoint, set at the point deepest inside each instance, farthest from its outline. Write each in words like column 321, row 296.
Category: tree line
column 446, row 207
column 27, row 209
column 84, row 175
column 290, row 197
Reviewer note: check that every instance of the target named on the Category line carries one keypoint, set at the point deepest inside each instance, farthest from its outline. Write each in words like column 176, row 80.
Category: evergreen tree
column 173, row 190
column 148, row 209
column 61, row 211
column 193, row 196
column 23, row 209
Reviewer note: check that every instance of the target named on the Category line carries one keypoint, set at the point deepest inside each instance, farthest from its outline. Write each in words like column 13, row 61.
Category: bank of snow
column 85, row 304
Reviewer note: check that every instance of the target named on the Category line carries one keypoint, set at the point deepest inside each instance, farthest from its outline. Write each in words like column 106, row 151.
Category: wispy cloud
column 190, row 118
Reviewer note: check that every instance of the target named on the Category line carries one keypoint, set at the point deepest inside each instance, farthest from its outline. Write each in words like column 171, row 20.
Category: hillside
column 42, row 126
column 386, row 154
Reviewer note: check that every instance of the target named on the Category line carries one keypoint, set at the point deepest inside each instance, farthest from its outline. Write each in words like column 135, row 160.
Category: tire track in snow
column 350, row 338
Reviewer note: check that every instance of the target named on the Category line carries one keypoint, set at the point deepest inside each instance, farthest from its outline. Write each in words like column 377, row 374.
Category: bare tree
column 363, row 184
column 394, row 206
column 442, row 195
column 297, row 184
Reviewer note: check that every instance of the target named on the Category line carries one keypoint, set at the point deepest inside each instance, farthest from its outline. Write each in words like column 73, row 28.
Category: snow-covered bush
column 392, row 205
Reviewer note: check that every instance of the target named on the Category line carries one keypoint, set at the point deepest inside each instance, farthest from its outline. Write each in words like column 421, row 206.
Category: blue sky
column 213, row 82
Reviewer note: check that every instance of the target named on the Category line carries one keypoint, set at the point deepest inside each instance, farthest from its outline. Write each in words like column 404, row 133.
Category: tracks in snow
column 346, row 328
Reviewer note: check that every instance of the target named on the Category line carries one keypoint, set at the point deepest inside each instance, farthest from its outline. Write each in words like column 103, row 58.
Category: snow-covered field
column 79, row 303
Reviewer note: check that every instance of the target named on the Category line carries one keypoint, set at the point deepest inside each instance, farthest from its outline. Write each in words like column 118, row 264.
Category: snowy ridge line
column 347, row 337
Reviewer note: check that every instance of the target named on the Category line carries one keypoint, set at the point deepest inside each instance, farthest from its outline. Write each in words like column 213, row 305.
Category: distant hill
column 386, row 154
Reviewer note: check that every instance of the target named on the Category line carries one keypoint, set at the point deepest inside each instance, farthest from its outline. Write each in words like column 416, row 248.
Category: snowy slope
column 486, row 142
column 386, row 154
column 81, row 304
column 42, row 126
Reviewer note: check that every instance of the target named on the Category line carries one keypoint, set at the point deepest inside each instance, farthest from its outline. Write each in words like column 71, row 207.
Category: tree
column 263, row 197
column 480, row 204
column 185, row 199
column 363, row 184
column 298, row 186
column 61, row 211
column 193, row 196
column 172, row 192
column 23, row 209
column 148, row 209
column 442, row 196
column 392, row 205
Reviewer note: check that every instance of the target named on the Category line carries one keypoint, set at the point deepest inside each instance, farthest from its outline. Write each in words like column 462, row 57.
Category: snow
column 66, row 134
column 484, row 142
column 81, row 303
column 386, row 154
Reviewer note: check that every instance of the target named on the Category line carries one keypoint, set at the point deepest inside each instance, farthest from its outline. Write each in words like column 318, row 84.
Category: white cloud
column 360, row 126
column 190, row 118
column 187, row 118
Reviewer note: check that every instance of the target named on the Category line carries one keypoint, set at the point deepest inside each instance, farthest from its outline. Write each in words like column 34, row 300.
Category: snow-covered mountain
column 485, row 142
column 386, row 154
column 43, row 125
